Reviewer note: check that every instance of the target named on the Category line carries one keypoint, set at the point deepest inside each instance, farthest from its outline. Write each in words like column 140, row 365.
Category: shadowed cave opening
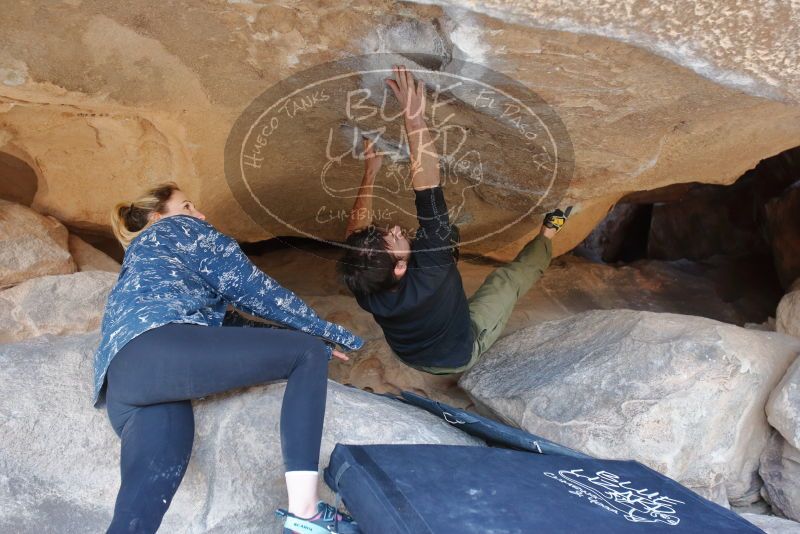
column 19, row 181
column 739, row 230
column 693, row 220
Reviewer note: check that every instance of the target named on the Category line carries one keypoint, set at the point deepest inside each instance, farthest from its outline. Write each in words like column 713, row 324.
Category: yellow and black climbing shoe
column 556, row 218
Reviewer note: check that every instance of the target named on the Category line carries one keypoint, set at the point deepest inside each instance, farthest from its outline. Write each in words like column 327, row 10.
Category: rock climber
column 412, row 287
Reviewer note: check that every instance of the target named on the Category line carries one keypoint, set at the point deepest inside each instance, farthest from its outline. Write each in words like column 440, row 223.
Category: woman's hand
column 341, row 355
column 336, row 353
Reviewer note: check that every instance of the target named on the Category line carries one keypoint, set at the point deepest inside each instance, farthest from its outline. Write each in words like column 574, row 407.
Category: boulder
column 761, row 506
column 783, row 406
column 55, row 304
column 59, row 463
column 684, row 395
column 780, row 471
column 31, row 245
column 772, row 524
column 787, row 316
column 88, row 258
column 766, row 326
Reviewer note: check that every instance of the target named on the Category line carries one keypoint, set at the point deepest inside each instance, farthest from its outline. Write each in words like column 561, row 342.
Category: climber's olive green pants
column 492, row 304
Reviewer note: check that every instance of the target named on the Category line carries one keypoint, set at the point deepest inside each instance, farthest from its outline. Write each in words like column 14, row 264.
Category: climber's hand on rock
column 410, row 93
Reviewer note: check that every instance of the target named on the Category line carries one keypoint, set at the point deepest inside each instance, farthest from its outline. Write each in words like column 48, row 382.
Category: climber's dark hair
column 367, row 266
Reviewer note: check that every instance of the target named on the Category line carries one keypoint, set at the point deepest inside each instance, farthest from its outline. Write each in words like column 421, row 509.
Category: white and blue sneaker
column 327, row 520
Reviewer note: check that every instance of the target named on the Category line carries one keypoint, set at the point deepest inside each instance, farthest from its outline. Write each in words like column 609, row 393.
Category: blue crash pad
column 443, row 489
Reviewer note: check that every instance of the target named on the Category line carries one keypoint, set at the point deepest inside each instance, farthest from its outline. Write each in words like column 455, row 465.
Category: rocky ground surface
column 600, row 357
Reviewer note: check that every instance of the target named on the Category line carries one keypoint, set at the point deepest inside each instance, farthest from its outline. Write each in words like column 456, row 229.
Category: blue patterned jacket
column 181, row 269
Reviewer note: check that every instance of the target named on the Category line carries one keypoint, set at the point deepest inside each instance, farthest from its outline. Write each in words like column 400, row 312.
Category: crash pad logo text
column 608, row 491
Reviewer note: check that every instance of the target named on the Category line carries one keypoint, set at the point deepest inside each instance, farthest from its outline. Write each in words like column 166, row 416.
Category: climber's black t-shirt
column 426, row 317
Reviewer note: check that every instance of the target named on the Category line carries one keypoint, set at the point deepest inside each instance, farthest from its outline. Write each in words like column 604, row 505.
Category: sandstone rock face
column 780, row 471
column 783, row 407
column 60, row 457
column 57, row 304
column 88, row 258
column 714, row 33
column 772, row 524
column 684, row 395
column 161, row 97
column 787, row 317
column 31, row 245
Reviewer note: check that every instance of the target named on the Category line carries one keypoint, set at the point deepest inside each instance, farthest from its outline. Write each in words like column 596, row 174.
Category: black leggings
column 151, row 380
